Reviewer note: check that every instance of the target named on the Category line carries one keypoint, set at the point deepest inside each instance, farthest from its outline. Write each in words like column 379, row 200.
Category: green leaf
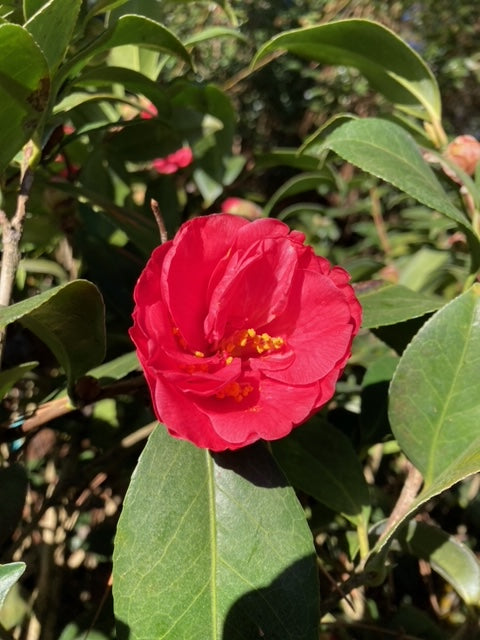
column 320, row 460
column 212, row 547
column 135, row 30
column 132, row 81
column 24, row 89
column 214, row 32
column 398, row 72
column 52, row 28
column 299, row 184
column 386, row 304
column 117, row 368
column 385, row 150
column 9, row 574
column 32, row 6
column 287, row 158
column 434, row 409
column 455, row 562
column 70, row 320
column 9, row 377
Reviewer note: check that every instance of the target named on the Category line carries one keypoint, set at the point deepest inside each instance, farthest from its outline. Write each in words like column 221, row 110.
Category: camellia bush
column 240, row 389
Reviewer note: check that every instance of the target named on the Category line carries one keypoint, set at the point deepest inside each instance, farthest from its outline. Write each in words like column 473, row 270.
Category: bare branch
column 12, row 231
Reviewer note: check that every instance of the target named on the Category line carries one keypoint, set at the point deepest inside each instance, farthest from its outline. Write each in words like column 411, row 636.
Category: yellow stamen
column 235, row 390
column 248, row 344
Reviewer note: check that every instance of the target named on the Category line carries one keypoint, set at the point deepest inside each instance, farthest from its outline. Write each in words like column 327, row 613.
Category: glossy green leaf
column 70, row 320
column 24, row 89
column 318, row 459
column 9, row 575
column 397, row 72
column 212, row 547
column 454, row 561
column 385, row 150
column 52, row 28
column 386, row 304
column 434, row 408
column 9, row 377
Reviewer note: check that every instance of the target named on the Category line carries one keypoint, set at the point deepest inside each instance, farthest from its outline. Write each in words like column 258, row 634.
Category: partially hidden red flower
column 173, row 162
column 241, row 330
column 149, row 112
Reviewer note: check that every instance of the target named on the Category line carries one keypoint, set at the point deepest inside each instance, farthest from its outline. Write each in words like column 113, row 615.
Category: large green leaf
column 390, row 65
column 387, row 304
column 434, row 407
column 70, row 320
column 385, row 150
column 212, row 547
column 9, row 574
column 434, row 410
column 24, row 89
column 52, row 28
column 320, row 460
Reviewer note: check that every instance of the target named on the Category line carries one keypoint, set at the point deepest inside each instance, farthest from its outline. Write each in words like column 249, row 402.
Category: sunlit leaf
column 388, row 304
column 9, row 574
column 212, row 547
column 52, row 28
column 385, row 150
column 434, row 408
column 23, row 96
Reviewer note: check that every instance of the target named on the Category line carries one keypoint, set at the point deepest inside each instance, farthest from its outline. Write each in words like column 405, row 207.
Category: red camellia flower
column 241, row 330
column 173, row 162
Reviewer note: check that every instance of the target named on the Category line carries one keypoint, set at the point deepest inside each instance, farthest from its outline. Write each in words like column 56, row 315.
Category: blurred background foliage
column 92, row 218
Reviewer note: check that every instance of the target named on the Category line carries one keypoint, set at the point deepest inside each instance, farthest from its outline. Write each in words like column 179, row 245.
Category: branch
column 409, row 492
column 12, row 231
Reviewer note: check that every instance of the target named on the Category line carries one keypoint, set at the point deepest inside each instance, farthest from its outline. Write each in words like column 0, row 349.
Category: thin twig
column 159, row 220
column 341, row 591
column 12, row 231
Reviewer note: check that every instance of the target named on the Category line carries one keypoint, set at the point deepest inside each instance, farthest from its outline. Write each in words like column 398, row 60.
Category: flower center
column 235, row 390
column 248, row 343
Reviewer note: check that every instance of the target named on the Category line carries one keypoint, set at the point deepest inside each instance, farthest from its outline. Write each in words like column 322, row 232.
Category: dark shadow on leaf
column 123, row 630
column 255, row 464
column 287, row 609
